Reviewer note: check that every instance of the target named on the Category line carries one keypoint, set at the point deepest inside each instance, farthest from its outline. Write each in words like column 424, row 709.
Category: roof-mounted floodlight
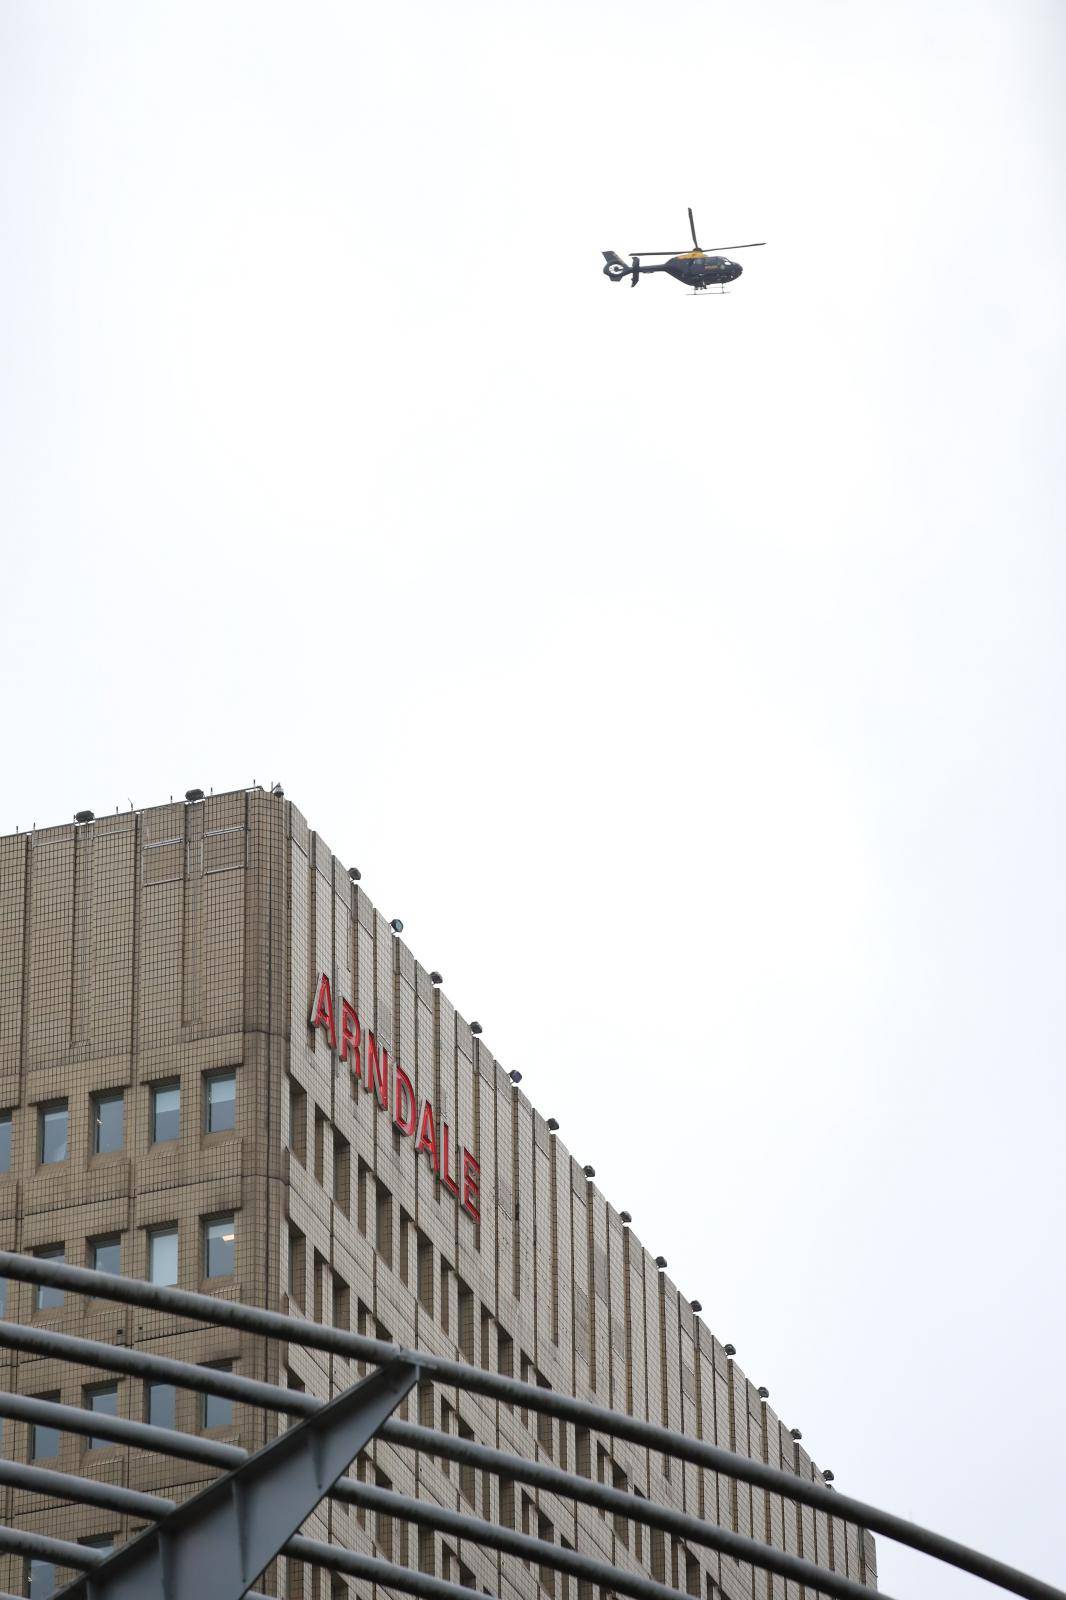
column 730, row 1349
column 828, row 1475
column 795, row 1433
column 660, row 1262
column 84, row 816
column 278, row 792
column 764, row 1392
column 193, row 795
column 553, row 1125
column 396, row 925
column 514, row 1075
column 435, row 978
column 590, row 1172
column 354, row 874
column 475, row 1027
column 625, row 1217
column 697, row 1306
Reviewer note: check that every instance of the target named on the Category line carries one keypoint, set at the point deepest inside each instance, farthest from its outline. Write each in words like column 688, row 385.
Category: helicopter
column 697, row 268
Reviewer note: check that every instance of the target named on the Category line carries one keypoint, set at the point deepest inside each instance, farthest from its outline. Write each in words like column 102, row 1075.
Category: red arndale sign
column 395, row 1092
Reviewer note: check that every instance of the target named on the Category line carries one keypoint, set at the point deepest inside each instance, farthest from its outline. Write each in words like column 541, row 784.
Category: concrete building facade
column 215, row 1062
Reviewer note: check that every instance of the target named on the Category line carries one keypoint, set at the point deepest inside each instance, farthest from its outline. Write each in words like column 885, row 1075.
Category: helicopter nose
column 737, row 270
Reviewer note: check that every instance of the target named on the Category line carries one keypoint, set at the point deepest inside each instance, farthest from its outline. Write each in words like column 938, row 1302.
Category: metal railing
column 170, row 1525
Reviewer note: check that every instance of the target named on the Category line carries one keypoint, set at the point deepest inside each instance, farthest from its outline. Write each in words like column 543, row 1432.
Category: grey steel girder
column 213, row 1546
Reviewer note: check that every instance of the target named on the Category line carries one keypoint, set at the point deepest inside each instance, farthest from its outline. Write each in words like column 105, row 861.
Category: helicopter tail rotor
column 616, row 269
column 636, row 272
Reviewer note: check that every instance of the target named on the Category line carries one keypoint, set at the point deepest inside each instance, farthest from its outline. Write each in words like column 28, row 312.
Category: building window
column 320, row 1147
column 105, row 1254
column 163, row 1256
column 103, row 1399
column 297, row 1266
column 5, row 1141
column 424, row 1259
column 216, row 1411
column 297, row 1122
column 383, row 1230
column 342, row 1172
column 46, row 1297
column 220, row 1234
column 40, row 1579
column 342, row 1303
column 99, row 1541
column 52, row 1132
column 160, row 1405
column 220, row 1102
column 44, row 1440
column 166, row 1112
column 108, row 1117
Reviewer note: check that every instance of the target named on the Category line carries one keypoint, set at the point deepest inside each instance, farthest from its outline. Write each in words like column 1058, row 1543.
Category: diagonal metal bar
column 213, row 1546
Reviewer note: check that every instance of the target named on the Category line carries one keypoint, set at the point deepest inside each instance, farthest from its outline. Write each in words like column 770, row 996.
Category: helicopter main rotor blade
column 756, row 246
column 656, row 252
column 692, row 229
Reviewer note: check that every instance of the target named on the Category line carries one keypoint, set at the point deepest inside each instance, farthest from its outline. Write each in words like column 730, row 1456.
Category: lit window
column 166, row 1112
column 107, row 1123
column 215, row 1410
column 219, row 1241
column 103, row 1399
column 52, row 1139
column 163, row 1256
column 160, row 1405
column 5, row 1141
column 220, row 1102
column 40, row 1579
column 44, row 1440
column 47, row 1297
column 105, row 1255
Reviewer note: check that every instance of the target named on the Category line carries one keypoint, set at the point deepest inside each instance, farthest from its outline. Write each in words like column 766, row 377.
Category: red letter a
column 322, row 1015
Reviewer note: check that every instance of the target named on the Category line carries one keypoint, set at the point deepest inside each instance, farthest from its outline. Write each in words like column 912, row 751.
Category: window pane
column 40, row 1579
column 44, row 1440
column 107, row 1123
column 215, row 1410
column 163, row 1256
column 166, row 1112
column 221, row 1101
column 161, row 1410
column 5, row 1141
column 103, row 1399
column 105, row 1255
column 219, row 1238
column 99, row 1541
column 48, row 1298
column 54, row 1132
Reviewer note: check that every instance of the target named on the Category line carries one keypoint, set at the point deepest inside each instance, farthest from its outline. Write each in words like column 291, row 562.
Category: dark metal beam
column 474, row 1529
column 225, row 1313
column 214, row 1545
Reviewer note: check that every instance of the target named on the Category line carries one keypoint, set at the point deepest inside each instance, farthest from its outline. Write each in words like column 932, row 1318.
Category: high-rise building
column 222, row 1068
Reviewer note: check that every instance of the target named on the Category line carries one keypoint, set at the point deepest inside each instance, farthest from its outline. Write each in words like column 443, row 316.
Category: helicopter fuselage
column 699, row 271
column 694, row 268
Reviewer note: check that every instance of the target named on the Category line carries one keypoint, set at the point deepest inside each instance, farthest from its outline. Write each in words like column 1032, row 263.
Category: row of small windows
column 218, row 1257
column 107, row 1119
column 159, row 1408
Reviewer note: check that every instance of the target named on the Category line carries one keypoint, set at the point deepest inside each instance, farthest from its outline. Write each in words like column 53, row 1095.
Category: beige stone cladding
column 171, row 957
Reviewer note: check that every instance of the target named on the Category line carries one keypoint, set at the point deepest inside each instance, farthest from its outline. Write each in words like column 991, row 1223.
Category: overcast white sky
column 688, row 677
